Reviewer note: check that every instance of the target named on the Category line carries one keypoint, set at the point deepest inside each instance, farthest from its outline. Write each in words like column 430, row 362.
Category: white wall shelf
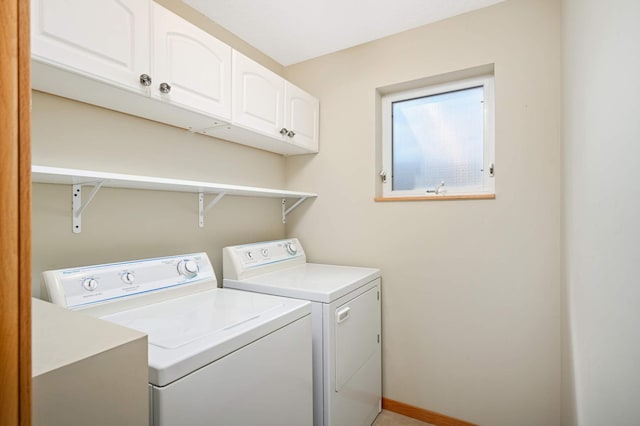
column 78, row 178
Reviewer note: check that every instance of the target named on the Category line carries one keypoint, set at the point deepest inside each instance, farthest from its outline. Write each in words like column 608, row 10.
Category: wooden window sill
column 439, row 198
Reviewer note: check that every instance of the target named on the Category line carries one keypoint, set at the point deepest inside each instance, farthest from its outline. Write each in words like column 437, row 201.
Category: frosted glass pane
column 438, row 138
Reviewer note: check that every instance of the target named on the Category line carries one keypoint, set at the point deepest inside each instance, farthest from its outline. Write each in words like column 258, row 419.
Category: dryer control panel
column 80, row 287
column 244, row 261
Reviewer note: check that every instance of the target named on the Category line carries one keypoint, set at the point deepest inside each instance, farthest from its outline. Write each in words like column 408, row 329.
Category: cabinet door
column 195, row 65
column 106, row 40
column 301, row 117
column 258, row 96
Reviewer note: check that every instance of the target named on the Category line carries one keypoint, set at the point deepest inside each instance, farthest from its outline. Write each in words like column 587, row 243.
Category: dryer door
column 357, row 330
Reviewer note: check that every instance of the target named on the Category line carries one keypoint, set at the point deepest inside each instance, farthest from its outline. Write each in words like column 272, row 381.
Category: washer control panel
column 89, row 285
column 245, row 260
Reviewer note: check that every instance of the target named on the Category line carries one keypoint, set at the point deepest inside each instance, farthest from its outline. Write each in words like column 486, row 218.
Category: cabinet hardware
column 291, row 133
column 283, row 131
column 145, row 79
column 165, row 87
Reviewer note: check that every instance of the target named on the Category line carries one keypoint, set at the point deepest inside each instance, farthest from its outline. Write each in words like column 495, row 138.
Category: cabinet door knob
column 165, row 87
column 283, row 131
column 291, row 133
column 145, row 79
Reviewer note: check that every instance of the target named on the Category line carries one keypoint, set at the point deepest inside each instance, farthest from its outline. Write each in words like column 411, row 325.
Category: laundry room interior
column 519, row 308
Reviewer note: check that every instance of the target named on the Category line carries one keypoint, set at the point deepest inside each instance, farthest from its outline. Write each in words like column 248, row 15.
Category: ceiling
column 291, row 31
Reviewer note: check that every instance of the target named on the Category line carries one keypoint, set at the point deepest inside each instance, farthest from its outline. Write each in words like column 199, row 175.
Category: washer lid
column 310, row 281
column 190, row 332
column 172, row 324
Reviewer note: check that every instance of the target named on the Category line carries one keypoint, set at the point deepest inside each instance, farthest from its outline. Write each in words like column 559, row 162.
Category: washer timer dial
column 188, row 268
column 128, row 278
column 90, row 284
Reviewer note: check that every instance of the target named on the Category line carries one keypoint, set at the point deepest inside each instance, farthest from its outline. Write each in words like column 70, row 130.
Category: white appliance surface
column 280, row 268
column 266, row 383
column 345, row 322
column 205, row 343
column 310, row 281
column 191, row 331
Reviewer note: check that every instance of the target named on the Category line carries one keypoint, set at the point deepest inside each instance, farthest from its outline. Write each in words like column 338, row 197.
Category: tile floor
column 389, row 418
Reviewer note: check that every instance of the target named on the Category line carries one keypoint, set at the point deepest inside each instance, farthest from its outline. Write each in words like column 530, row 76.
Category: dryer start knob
column 188, row 268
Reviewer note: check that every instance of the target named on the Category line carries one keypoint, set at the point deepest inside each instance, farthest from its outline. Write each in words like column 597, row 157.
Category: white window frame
column 488, row 185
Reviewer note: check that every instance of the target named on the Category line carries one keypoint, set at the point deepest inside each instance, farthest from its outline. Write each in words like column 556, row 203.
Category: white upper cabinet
column 258, row 96
column 301, row 117
column 88, row 50
column 280, row 116
column 71, row 34
column 137, row 57
column 191, row 68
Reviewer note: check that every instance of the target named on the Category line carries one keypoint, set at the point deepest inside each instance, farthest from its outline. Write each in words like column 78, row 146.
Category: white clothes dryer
column 216, row 356
column 345, row 306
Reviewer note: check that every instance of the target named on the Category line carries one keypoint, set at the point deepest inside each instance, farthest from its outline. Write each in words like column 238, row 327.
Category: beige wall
column 471, row 289
column 128, row 224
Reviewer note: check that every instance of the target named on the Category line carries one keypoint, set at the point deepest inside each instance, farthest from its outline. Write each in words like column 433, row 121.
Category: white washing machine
column 216, row 356
column 345, row 306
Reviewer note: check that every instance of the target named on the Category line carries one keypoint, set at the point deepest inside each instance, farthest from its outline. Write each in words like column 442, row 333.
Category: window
column 438, row 140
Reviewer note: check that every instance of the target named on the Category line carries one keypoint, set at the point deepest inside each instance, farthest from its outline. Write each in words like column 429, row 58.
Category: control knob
column 90, row 284
column 292, row 248
column 188, row 268
column 265, row 252
column 128, row 277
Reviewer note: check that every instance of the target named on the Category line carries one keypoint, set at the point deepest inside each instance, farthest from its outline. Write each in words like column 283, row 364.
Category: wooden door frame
column 15, row 213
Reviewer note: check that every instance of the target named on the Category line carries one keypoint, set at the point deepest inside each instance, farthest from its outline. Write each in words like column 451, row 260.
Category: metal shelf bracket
column 78, row 206
column 202, row 209
column 286, row 211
